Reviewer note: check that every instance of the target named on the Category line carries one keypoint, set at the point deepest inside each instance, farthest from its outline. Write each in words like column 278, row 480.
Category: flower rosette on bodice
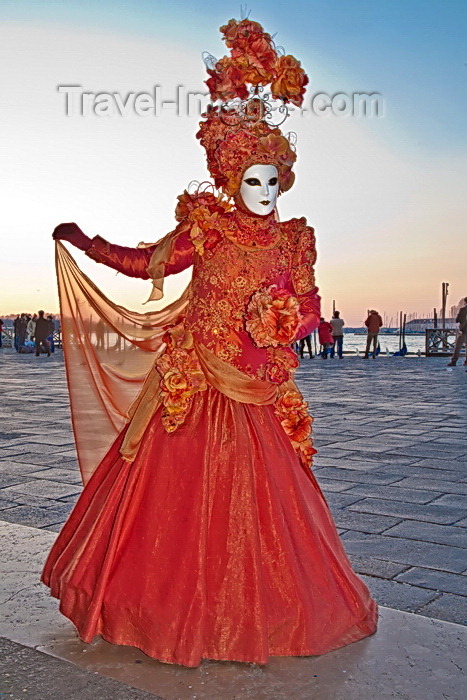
column 273, row 317
column 204, row 213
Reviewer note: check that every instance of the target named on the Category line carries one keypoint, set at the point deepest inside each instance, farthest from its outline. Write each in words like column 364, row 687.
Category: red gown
column 214, row 542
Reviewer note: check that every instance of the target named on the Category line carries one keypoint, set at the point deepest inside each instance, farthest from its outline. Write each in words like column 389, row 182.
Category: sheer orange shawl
column 109, row 358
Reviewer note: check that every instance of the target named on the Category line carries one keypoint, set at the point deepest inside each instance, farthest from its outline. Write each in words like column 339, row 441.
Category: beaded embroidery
column 252, row 232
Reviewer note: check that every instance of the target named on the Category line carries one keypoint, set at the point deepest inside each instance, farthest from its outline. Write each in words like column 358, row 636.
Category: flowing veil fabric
column 109, row 351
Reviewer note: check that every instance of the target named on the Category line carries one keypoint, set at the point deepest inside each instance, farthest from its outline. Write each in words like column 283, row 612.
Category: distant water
column 353, row 342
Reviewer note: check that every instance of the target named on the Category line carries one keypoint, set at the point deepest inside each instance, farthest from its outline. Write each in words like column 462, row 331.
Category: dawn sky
column 385, row 194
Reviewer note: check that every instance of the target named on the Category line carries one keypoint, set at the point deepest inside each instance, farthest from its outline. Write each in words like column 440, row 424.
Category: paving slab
column 43, row 487
column 340, row 500
column 431, row 451
column 69, row 476
column 381, row 458
column 35, row 516
column 435, row 580
column 364, row 477
column 331, row 485
column 376, row 567
column 422, row 473
column 405, row 551
column 400, row 595
column 10, row 466
column 449, row 607
column 362, row 522
column 456, row 500
column 45, row 459
column 443, row 461
column 31, row 500
column 442, row 514
column 429, row 532
column 432, row 484
column 7, row 480
column 394, row 493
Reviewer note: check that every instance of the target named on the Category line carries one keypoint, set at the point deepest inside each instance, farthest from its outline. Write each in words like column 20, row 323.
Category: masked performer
column 202, row 532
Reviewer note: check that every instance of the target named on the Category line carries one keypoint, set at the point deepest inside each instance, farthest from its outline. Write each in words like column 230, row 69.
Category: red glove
column 73, row 234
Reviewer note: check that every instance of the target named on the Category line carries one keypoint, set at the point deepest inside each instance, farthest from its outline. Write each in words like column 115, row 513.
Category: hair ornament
column 250, row 91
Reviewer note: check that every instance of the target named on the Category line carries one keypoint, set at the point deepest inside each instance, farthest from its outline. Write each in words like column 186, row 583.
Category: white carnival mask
column 260, row 188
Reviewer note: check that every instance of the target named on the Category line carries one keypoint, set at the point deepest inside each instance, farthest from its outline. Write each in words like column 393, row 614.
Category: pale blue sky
column 386, row 196
column 414, row 52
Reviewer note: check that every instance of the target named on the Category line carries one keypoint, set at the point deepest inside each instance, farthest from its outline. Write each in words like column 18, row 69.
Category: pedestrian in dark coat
column 42, row 331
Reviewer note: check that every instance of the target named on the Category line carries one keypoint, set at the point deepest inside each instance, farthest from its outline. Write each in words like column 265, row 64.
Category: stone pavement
column 392, row 462
column 27, row 673
column 391, row 436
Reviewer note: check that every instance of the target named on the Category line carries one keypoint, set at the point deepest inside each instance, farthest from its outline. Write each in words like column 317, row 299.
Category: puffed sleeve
column 175, row 250
column 303, row 277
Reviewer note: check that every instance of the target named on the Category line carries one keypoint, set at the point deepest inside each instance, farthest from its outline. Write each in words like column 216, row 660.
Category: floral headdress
column 238, row 133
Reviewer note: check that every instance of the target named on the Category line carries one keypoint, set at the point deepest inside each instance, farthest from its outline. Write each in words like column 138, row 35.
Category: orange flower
column 213, row 237
column 256, row 59
column 181, row 337
column 280, row 363
column 273, row 317
column 177, row 336
column 297, row 427
column 253, row 62
column 292, row 411
column 287, row 180
column 174, row 381
column 276, row 144
column 290, row 81
column 226, row 80
column 306, row 452
column 181, row 375
column 188, row 204
column 239, row 33
column 172, row 421
column 204, row 211
column 291, row 402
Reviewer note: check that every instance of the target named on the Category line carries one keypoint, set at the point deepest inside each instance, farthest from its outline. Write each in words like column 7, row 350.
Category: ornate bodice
column 252, row 293
column 224, row 280
column 234, row 255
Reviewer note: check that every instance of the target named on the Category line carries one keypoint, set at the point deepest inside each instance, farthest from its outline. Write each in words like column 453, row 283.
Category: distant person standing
column 50, row 337
column 22, row 330
column 373, row 323
column 461, row 319
column 100, row 334
column 325, row 337
column 1, row 331
column 31, row 327
column 337, row 324
column 301, row 346
column 42, row 331
column 16, row 324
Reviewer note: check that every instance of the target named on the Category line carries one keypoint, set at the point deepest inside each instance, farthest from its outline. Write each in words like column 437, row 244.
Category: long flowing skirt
column 214, row 543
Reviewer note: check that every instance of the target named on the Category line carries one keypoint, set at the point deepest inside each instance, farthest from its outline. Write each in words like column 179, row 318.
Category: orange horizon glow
column 389, row 213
